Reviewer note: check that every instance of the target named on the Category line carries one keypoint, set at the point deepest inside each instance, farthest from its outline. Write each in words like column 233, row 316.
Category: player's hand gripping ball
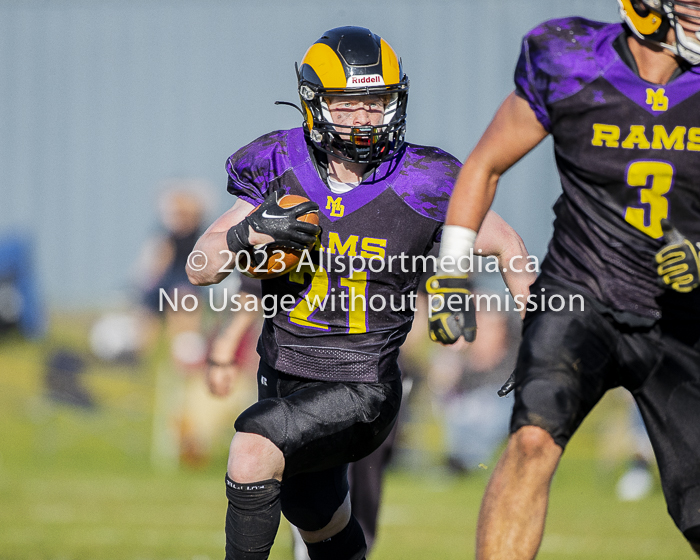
column 678, row 261
column 293, row 223
column 451, row 313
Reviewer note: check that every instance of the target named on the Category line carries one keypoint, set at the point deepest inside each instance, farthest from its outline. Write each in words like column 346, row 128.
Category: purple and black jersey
column 628, row 154
column 339, row 324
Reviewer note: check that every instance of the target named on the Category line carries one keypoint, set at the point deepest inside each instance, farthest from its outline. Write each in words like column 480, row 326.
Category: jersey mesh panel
column 341, row 365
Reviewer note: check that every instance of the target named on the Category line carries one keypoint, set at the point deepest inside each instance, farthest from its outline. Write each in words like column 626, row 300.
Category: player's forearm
column 473, row 195
column 209, row 259
column 212, row 259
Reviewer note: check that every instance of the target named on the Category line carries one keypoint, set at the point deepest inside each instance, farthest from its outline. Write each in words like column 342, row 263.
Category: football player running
column 622, row 102
column 329, row 386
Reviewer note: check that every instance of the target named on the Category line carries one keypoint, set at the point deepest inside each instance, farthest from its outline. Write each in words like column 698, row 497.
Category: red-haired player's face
column 360, row 110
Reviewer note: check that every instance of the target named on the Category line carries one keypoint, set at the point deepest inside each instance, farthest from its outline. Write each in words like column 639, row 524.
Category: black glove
column 279, row 223
column 508, row 386
column 678, row 260
column 448, row 293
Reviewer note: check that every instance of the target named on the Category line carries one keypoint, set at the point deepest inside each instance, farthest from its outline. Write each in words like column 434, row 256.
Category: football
column 280, row 260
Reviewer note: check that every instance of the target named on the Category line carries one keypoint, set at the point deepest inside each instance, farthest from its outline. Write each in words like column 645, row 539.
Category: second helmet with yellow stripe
column 352, row 61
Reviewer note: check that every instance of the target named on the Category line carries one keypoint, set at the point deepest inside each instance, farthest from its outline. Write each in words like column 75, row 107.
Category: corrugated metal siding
column 99, row 102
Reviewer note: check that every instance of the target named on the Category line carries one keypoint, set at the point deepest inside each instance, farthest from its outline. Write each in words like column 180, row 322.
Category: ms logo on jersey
column 335, row 205
column 657, row 99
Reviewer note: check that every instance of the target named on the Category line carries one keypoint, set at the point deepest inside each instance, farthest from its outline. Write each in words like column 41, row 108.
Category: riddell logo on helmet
column 367, row 80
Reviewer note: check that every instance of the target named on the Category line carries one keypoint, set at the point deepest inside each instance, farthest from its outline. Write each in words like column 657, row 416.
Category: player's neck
column 655, row 64
column 345, row 171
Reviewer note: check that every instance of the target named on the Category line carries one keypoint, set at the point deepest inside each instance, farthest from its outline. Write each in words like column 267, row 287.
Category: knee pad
column 252, row 519
column 348, row 544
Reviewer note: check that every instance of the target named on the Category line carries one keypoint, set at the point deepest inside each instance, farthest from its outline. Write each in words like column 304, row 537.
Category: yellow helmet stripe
column 390, row 65
column 646, row 25
column 326, row 64
column 309, row 118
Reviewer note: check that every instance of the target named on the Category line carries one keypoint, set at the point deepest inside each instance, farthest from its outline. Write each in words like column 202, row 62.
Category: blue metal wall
column 101, row 101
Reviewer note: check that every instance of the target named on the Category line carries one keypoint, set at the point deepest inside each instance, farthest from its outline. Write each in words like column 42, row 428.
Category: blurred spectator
column 184, row 415
column 232, row 357
column 465, row 379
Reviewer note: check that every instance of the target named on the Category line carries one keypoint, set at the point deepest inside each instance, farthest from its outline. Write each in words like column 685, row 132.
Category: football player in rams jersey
column 622, row 102
column 329, row 385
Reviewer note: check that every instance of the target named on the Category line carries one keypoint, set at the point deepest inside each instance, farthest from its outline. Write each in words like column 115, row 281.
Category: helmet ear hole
column 640, row 7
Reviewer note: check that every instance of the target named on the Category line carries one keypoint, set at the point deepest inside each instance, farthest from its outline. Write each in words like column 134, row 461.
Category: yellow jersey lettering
column 636, row 138
column 693, row 144
column 673, row 141
column 373, row 247
column 607, row 134
column 335, row 245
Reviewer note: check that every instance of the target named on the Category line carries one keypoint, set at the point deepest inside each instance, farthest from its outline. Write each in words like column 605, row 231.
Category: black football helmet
column 352, row 61
column 651, row 19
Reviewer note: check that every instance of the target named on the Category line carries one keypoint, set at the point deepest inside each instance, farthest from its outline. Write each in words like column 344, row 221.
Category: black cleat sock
column 252, row 518
column 349, row 544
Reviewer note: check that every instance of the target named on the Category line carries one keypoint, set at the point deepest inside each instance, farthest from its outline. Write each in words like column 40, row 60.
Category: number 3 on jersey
column 652, row 198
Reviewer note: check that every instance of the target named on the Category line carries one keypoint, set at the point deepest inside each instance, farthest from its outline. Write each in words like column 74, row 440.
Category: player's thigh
column 319, row 425
column 565, row 364
column 670, row 404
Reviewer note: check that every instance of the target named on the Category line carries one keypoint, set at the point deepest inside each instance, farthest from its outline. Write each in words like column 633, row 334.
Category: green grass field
column 79, row 485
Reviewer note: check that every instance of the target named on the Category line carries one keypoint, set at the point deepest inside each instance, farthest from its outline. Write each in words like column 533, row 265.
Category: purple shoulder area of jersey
column 426, row 180
column 251, row 168
column 560, row 57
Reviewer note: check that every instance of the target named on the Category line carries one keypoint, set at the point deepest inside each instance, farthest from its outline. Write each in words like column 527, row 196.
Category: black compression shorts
column 320, row 427
column 569, row 359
